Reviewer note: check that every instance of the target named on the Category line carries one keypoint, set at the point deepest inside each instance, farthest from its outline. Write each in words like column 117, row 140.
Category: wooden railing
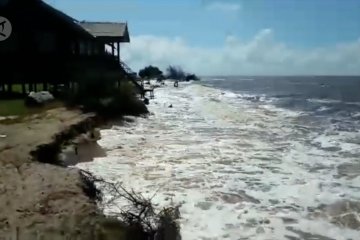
column 132, row 77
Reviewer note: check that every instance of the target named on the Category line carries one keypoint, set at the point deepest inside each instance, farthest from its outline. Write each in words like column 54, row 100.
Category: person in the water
column 176, row 83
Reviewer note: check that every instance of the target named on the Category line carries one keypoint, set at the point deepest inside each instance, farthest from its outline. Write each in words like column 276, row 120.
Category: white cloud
column 223, row 6
column 260, row 56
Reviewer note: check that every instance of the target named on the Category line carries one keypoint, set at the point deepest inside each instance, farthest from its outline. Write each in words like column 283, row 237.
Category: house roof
column 104, row 31
column 71, row 22
column 107, row 30
column 35, row 11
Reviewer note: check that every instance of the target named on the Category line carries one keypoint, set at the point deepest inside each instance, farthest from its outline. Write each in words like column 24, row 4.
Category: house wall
column 44, row 48
column 41, row 46
column 40, row 29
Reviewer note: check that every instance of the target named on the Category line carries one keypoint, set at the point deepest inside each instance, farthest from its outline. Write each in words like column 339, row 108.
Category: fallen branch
column 140, row 214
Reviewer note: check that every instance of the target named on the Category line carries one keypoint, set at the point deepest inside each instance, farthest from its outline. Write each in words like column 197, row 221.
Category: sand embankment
column 38, row 199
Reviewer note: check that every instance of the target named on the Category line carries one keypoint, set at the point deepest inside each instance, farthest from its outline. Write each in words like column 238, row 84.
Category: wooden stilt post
column 118, row 51
column 2, row 87
column 55, row 88
column 77, row 48
column 23, row 86
column 31, row 87
column 9, row 87
column 112, row 49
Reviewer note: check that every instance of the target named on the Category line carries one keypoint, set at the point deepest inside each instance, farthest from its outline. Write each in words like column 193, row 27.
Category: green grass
column 18, row 88
column 13, row 108
column 18, row 108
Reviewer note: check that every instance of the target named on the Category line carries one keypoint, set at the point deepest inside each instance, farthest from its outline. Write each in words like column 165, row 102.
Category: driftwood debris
column 140, row 216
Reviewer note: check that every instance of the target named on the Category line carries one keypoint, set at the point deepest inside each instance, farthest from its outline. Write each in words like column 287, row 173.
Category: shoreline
column 88, row 150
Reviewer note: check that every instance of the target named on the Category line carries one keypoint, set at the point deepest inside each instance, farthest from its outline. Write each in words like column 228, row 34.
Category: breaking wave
column 242, row 166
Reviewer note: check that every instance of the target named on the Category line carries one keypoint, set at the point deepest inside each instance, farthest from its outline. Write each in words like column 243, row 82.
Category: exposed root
column 143, row 220
column 89, row 186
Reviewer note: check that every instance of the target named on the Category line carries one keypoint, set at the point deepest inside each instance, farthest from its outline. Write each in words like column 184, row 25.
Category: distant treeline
column 172, row 72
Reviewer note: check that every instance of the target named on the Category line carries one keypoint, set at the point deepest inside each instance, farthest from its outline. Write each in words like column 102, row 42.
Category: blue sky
column 301, row 27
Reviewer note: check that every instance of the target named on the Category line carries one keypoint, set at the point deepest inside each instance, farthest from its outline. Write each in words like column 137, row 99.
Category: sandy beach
column 38, row 199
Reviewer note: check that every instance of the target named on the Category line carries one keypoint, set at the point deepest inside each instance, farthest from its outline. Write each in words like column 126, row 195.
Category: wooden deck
column 137, row 81
column 150, row 91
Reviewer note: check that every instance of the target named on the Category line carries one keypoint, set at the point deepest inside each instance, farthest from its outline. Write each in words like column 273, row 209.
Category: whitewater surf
column 240, row 165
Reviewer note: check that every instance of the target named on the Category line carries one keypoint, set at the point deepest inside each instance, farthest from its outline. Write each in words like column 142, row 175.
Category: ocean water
column 247, row 157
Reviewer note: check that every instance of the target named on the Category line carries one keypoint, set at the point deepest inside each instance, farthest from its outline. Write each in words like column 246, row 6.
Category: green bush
column 97, row 90
column 177, row 73
column 125, row 102
column 190, row 77
column 150, row 72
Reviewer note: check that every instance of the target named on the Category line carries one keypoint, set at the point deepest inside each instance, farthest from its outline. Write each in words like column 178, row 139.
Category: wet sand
column 86, row 152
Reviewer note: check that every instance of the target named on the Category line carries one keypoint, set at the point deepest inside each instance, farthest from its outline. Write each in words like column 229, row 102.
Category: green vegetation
column 139, row 219
column 191, row 77
column 98, row 90
column 17, row 88
column 18, row 108
column 150, row 72
column 172, row 72
column 12, row 108
column 177, row 73
column 96, row 86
